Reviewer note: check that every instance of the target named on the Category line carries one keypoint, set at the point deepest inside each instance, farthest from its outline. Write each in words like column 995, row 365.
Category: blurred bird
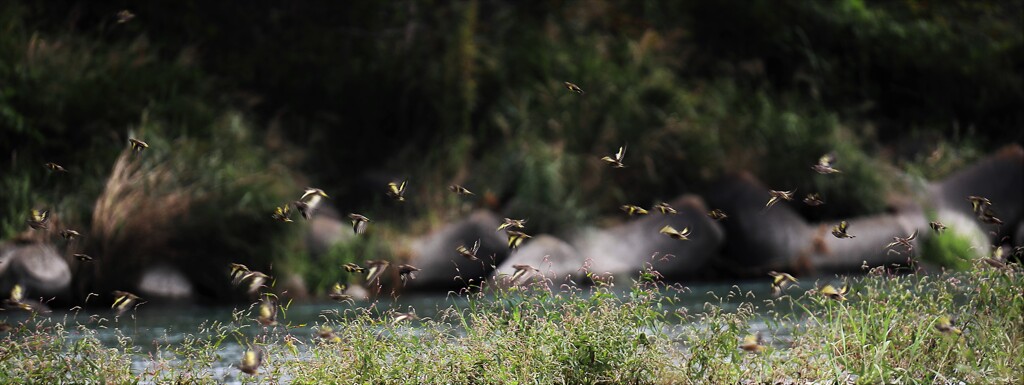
column 137, row 145
column 238, row 271
column 69, row 234
column 359, row 223
column 469, row 253
column 17, row 297
column 780, row 281
column 632, row 210
column 998, row 258
column 903, row 241
column 682, row 235
column 257, row 280
column 39, row 220
column 376, row 268
column 282, row 213
column 753, row 343
column 989, row 216
column 839, row 231
column 124, row 16
column 777, row 195
column 55, row 167
column 616, row 160
column 837, row 294
column 574, row 88
column 813, row 199
column 123, row 301
column 459, row 190
column 517, row 223
column 399, row 317
column 407, row 272
column 327, row 334
column 337, row 293
column 352, row 268
column 944, row 324
column 82, row 257
column 397, row 191
column 717, row 214
column 978, row 203
column 937, row 226
column 267, row 312
column 251, row 361
column 516, row 238
column 520, row 272
column 665, row 208
column 309, row 201
column 824, row 165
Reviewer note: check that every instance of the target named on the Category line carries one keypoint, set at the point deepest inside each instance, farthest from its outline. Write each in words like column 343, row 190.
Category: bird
column 39, row 220
column 520, row 272
column 137, row 145
column 998, row 258
column 123, row 301
column 399, row 317
column 397, row 190
column 282, row 213
column 839, row 231
column 124, row 16
column 407, row 272
column 508, row 222
column 632, row 210
column 937, row 226
column 55, row 167
column 17, row 297
column 978, row 203
column 309, row 201
column 327, row 334
column 903, row 241
column 665, row 208
column 459, row 190
column 251, row 361
column 989, row 216
column 753, row 343
column 813, row 199
column 256, row 280
column 777, row 195
column 469, row 253
column 616, row 160
column 359, row 223
column 837, row 294
column 352, row 268
column 337, row 293
column 824, row 165
column 670, row 231
column 944, row 324
column 717, row 214
column 69, row 234
column 573, row 87
column 516, row 238
column 376, row 268
column 82, row 257
column 267, row 312
column 780, row 281
column 238, row 271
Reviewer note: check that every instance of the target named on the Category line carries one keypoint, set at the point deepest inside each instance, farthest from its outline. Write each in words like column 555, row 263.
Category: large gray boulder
column 759, row 239
column 38, row 267
column 555, row 260
column 872, row 235
column 440, row 264
column 164, row 283
column 999, row 177
column 326, row 229
column 625, row 249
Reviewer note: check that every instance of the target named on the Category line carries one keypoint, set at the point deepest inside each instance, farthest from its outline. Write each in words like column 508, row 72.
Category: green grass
column 883, row 333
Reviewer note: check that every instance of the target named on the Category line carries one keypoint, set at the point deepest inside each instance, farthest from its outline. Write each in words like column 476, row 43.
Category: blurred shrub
column 950, row 250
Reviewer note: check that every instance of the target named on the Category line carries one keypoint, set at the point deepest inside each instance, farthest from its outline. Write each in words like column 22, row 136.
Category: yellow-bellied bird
column 309, row 201
column 397, row 190
column 616, row 160
column 839, row 231
column 123, row 301
column 670, row 231
column 359, row 223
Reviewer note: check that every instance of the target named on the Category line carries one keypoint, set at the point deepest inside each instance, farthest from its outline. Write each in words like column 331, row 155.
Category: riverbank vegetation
column 890, row 328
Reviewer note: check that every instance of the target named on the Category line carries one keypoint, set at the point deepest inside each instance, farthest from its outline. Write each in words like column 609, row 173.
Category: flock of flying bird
column 254, row 281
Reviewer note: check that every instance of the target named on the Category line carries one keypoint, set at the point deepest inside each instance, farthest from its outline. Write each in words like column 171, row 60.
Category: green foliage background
column 346, row 95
